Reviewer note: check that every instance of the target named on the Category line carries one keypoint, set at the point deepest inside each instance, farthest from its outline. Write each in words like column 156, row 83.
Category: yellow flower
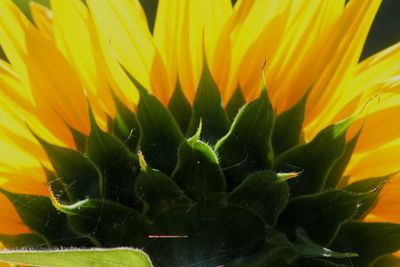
column 75, row 52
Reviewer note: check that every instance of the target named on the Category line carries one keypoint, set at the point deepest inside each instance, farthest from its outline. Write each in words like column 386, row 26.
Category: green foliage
column 259, row 197
column 263, row 194
column 106, row 222
column 207, row 107
column 235, row 103
column 198, row 172
column 78, row 257
column 369, row 240
column 288, row 127
column 160, row 133
column 180, row 107
column 159, row 192
column 338, row 169
column 333, row 207
column 247, row 147
column 78, row 176
column 315, row 159
column 117, row 165
column 125, row 125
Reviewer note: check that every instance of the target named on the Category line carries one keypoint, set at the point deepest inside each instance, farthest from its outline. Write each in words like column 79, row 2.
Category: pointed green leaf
column 369, row 240
column 106, row 222
column 296, row 251
column 235, row 103
column 247, row 146
column 117, row 165
column 125, row 126
column 320, row 214
column 263, row 194
column 315, row 159
column 288, row 127
column 159, row 191
column 24, row 241
column 208, row 107
column 198, row 172
column 38, row 213
column 80, row 139
column 307, row 248
column 78, row 257
column 180, row 107
column 160, row 134
column 338, row 169
column 373, row 186
column 78, row 175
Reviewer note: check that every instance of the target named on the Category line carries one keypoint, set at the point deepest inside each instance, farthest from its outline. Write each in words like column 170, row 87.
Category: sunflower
column 250, row 134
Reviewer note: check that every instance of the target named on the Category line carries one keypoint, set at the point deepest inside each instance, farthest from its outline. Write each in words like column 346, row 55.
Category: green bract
column 201, row 185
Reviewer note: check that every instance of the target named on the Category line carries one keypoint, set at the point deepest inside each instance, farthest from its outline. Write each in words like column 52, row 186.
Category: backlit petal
column 57, row 91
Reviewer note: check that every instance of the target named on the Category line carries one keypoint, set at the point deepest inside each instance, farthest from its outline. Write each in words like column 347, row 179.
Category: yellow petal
column 380, row 124
column 340, row 57
column 74, row 36
column 190, row 56
column 378, row 67
column 41, row 68
column 12, row 130
column 16, row 102
column 12, row 87
column 260, row 52
column 218, row 13
column 20, row 158
column 379, row 75
column 241, row 30
column 287, row 77
column 43, row 18
column 121, row 23
column 378, row 162
column 166, row 28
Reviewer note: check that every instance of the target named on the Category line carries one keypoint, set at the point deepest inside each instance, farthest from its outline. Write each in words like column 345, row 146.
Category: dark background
column 384, row 32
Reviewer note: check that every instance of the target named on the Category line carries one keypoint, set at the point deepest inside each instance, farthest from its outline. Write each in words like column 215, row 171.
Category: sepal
column 118, row 166
column 371, row 186
column 369, row 240
column 198, row 172
column 160, row 134
column 262, row 193
column 315, row 159
column 236, row 102
column 76, row 176
column 247, row 146
column 288, row 127
column 180, row 108
column 320, row 214
column 337, row 171
column 105, row 222
column 158, row 191
column 207, row 106
column 125, row 125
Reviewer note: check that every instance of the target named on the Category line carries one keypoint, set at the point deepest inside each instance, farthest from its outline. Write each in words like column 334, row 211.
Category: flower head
column 101, row 57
